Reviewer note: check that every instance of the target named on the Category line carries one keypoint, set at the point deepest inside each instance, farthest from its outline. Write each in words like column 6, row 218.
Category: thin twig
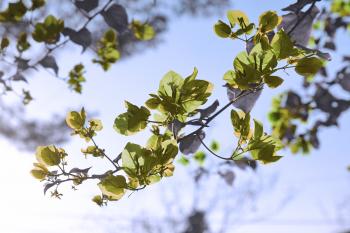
column 212, row 152
column 242, row 94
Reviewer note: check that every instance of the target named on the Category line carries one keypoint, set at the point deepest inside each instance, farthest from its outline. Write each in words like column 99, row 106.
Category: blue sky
column 318, row 183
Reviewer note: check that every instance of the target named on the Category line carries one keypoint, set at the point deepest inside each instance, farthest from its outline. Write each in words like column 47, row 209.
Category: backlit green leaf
column 308, row 66
column 48, row 155
column 113, row 187
column 222, row 29
column 239, row 17
column 268, row 21
column 273, row 81
column 132, row 121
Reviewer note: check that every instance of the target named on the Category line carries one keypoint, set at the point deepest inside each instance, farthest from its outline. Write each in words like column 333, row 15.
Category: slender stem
column 212, row 152
column 242, row 94
column 104, row 154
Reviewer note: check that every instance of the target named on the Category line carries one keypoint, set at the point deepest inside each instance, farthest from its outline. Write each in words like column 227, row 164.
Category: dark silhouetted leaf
column 49, row 62
column 245, row 103
column 78, row 170
column 19, row 77
column 82, row 37
column 206, row 112
column 175, row 126
column 116, row 17
column 190, row 144
column 330, row 45
column 299, row 5
column 87, row 5
column 345, row 82
column 47, row 186
column 299, row 26
column 22, row 64
column 228, row 176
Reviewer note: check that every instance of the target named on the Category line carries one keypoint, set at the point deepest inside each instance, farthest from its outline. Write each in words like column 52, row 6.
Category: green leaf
column 230, row 78
column 153, row 102
column 170, row 84
column 282, row 45
column 192, row 76
column 132, row 158
column 222, row 29
column 142, row 31
column 76, row 120
column 48, row 31
column 258, row 129
column 36, row 4
column 132, row 121
column 199, row 157
column 308, row 66
column 183, row 160
column 48, row 155
column 268, row 21
column 40, row 171
column 267, row 155
column 93, row 150
column 214, row 146
column 98, row 200
column 38, row 174
column 107, row 52
column 235, row 119
column 95, row 124
column 194, row 94
column 239, row 17
column 273, row 81
column 113, row 187
column 76, row 78
column 14, row 12
column 5, row 42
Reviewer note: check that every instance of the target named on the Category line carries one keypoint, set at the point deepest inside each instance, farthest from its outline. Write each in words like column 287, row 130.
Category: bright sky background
column 317, row 186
